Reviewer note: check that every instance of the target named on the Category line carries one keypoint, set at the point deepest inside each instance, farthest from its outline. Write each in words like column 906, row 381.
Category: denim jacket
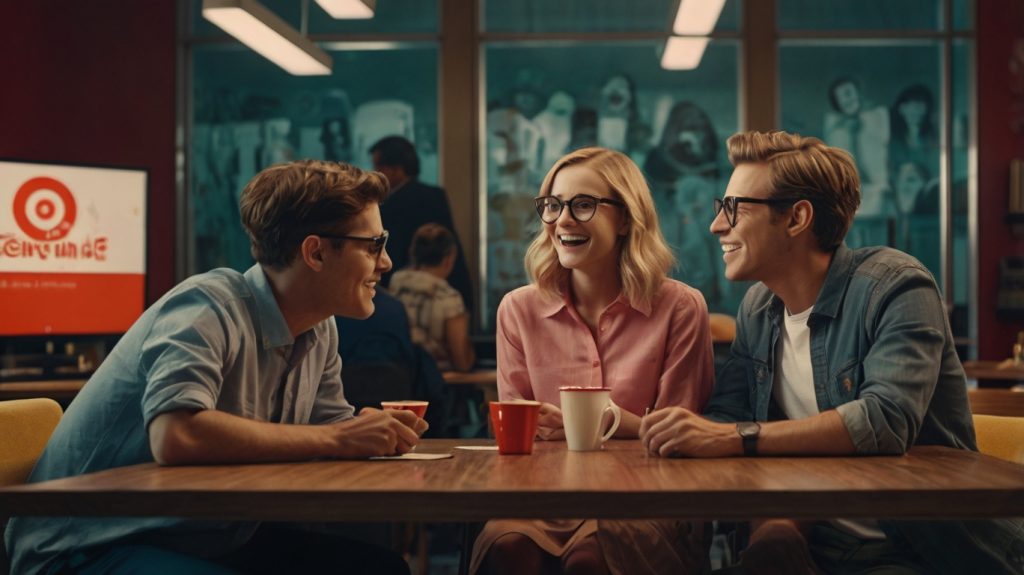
column 882, row 356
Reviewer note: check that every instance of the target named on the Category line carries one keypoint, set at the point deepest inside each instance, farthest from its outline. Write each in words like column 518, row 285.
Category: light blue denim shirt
column 216, row 341
column 882, row 355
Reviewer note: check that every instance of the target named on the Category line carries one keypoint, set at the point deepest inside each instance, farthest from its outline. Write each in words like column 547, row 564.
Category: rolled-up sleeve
column 901, row 369
column 184, row 354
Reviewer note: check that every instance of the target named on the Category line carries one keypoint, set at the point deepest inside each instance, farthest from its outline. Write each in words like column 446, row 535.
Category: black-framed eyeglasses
column 731, row 203
column 377, row 246
column 582, row 207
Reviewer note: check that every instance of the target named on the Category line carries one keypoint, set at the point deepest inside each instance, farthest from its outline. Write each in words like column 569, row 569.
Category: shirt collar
column 553, row 304
column 271, row 320
column 836, row 281
column 833, row 289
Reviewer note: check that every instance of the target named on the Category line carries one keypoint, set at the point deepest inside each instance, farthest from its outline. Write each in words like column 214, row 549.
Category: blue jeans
column 838, row 552
column 274, row 549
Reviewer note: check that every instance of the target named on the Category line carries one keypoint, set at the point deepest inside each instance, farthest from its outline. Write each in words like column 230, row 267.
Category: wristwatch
column 749, row 430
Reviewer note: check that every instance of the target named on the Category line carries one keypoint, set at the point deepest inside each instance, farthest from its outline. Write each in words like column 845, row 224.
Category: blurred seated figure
column 436, row 312
column 381, row 363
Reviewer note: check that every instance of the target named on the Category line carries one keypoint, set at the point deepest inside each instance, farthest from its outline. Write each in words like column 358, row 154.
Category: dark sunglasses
column 731, row 203
column 379, row 242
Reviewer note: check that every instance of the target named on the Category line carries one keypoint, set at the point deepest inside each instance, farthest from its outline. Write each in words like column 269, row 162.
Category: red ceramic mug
column 417, row 407
column 515, row 424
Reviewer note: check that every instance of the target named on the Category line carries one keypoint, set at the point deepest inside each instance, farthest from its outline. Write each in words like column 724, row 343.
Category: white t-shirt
column 793, row 390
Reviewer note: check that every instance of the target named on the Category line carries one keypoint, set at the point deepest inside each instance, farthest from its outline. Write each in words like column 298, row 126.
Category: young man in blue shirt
column 230, row 368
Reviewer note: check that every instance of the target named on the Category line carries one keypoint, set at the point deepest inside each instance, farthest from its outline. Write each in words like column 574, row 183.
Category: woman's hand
column 549, row 423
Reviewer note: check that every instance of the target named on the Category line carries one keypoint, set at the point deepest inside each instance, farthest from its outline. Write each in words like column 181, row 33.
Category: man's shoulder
column 221, row 284
column 415, row 190
column 217, row 291
column 424, row 188
column 880, row 263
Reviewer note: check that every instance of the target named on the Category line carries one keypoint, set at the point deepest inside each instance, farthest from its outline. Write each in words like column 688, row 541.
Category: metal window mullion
column 946, row 165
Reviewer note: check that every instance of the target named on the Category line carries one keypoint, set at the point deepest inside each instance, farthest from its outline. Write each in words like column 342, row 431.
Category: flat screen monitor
column 72, row 249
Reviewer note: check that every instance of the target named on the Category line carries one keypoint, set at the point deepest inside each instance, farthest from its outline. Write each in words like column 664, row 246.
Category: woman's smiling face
column 587, row 245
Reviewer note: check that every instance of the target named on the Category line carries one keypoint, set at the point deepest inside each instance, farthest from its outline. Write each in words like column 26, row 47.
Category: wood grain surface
column 619, row 482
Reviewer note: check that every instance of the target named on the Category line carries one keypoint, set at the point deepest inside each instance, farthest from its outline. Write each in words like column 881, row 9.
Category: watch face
column 748, row 428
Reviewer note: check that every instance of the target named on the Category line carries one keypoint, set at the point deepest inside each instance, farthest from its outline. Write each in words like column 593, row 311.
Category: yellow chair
column 1000, row 436
column 25, row 426
column 723, row 327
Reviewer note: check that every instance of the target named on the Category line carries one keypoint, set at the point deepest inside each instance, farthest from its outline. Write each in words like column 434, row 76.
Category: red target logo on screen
column 44, row 209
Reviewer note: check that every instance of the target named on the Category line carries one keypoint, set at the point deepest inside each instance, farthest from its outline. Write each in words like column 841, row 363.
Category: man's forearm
column 822, row 434
column 211, row 436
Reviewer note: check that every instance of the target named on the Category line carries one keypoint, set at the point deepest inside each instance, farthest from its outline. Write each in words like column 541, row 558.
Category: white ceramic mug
column 583, row 409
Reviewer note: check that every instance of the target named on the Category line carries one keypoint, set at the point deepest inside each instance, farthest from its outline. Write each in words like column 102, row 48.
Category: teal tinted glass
column 546, row 100
column 390, row 17
column 590, row 16
column 963, row 14
column 880, row 103
column 860, row 15
column 249, row 114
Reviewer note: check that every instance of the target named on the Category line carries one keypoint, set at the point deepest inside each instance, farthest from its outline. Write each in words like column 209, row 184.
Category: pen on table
column 647, row 452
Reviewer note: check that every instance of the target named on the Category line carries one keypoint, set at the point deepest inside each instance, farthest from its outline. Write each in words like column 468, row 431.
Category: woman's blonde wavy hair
column 644, row 260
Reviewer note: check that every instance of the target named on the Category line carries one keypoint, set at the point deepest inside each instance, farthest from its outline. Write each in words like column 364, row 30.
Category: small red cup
column 417, row 407
column 515, row 425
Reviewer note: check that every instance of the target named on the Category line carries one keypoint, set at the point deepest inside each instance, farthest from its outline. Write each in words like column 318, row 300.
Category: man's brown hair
column 806, row 169
column 285, row 203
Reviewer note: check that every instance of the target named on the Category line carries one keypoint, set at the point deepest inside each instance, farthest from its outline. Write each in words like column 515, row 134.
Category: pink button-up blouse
column 654, row 355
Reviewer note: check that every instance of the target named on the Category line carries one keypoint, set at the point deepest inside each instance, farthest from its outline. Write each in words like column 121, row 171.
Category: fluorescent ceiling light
column 348, row 9
column 683, row 53
column 697, row 17
column 260, row 29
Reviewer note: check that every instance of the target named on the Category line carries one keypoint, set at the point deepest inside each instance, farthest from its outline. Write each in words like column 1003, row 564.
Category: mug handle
column 617, row 418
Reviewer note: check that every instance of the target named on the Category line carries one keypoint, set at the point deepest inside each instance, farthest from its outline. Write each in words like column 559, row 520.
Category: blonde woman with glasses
column 601, row 311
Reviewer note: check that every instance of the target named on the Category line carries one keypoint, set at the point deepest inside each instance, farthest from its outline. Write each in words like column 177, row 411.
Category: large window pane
column 546, row 100
column 860, row 14
column 963, row 14
column 390, row 17
column 249, row 114
column 880, row 103
column 590, row 16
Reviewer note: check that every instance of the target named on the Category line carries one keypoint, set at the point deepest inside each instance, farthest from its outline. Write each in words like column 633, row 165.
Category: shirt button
column 597, row 363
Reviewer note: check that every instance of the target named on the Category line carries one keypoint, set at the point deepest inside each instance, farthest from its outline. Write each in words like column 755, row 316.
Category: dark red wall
column 93, row 83
column 1000, row 22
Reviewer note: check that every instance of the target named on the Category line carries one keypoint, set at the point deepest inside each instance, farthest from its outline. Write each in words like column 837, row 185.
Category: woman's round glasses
column 582, row 207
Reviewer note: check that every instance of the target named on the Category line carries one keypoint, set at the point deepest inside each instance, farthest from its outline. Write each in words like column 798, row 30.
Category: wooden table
column 619, row 482
column 60, row 390
column 994, row 373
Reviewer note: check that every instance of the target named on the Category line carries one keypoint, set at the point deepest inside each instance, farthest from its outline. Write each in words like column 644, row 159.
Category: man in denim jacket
column 837, row 352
